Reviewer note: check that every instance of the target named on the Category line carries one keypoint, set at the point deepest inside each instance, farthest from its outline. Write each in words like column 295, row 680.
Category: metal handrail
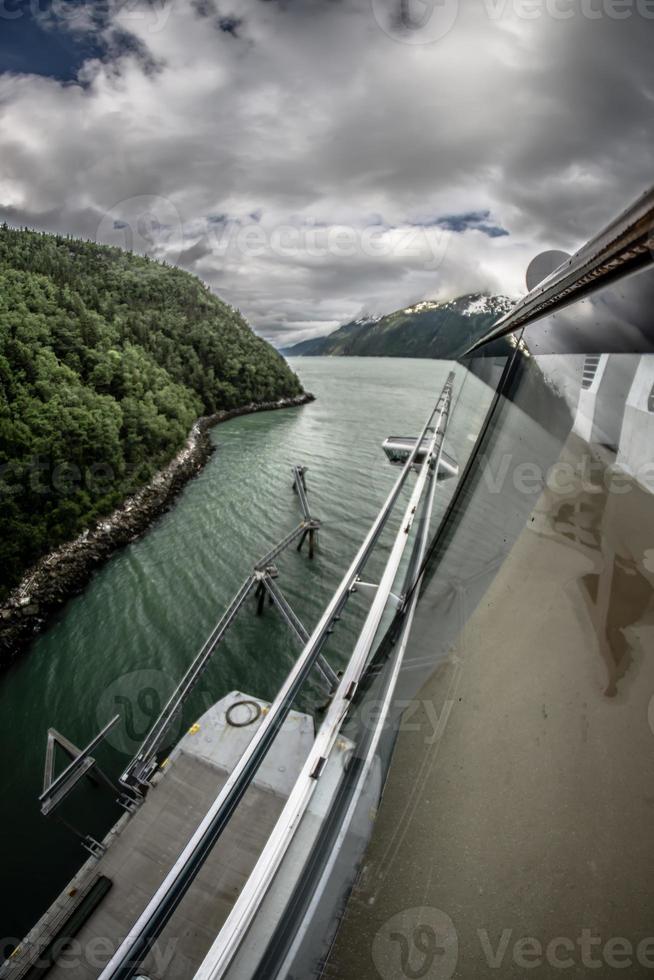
column 125, row 962
column 625, row 245
column 359, row 768
column 226, row 944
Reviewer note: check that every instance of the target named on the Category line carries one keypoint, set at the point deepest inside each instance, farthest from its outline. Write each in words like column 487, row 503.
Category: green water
column 123, row 643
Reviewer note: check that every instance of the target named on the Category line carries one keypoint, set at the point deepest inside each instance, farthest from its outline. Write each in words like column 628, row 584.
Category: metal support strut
column 329, row 675
column 56, row 789
column 144, row 764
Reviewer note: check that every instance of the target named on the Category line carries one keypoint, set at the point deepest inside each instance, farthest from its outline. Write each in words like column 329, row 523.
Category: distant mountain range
column 427, row 329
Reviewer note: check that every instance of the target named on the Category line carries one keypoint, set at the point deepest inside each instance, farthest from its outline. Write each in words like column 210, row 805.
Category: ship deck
column 142, row 848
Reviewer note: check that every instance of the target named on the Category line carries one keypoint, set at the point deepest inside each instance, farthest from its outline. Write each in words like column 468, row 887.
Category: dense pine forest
column 106, row 358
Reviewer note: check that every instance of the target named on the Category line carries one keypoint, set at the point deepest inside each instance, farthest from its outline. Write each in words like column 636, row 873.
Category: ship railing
column 625, row 246
column 235, row 928
column 127, row 959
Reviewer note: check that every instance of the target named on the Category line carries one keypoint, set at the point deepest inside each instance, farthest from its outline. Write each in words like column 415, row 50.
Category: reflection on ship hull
column 518, row 803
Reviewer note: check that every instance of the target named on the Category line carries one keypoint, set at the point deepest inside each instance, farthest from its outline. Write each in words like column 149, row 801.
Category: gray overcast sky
column 314, row 159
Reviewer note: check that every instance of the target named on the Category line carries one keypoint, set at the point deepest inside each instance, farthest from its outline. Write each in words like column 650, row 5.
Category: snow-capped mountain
column 429, row 328
column 472, row 304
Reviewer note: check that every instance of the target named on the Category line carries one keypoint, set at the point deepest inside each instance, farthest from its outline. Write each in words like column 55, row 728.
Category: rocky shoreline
column 65, row 572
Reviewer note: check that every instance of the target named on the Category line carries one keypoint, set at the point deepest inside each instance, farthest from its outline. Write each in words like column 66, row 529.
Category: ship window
column 590, row 370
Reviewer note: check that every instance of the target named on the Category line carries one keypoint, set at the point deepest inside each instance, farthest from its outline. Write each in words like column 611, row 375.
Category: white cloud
column 337, row 138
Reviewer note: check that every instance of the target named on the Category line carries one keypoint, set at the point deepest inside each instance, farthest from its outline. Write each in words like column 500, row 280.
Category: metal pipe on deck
column 124, row 964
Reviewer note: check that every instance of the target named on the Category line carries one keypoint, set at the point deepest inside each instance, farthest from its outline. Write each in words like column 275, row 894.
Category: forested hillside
column 427, row 329
column 106, row 358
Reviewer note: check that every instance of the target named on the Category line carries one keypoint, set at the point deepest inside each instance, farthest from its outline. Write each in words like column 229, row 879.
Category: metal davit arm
column 125, row 963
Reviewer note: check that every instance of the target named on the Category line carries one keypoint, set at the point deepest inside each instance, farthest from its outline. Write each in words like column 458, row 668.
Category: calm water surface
column 123, row 643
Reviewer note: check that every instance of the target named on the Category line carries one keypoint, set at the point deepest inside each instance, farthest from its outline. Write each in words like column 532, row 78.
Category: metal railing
column 221, row 954
column 125, row 963
column 55, row 790
column 624, row 246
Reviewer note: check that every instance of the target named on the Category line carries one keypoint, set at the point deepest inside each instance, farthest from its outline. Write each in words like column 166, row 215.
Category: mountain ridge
column 428, row 328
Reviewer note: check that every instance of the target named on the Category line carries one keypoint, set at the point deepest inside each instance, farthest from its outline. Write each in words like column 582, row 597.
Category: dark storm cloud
column 289, row 151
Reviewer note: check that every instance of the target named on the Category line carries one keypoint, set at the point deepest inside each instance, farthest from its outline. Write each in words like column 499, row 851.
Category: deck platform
column 142, row 847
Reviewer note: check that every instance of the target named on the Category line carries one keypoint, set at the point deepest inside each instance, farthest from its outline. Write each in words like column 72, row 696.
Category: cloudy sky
column 315, row 159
